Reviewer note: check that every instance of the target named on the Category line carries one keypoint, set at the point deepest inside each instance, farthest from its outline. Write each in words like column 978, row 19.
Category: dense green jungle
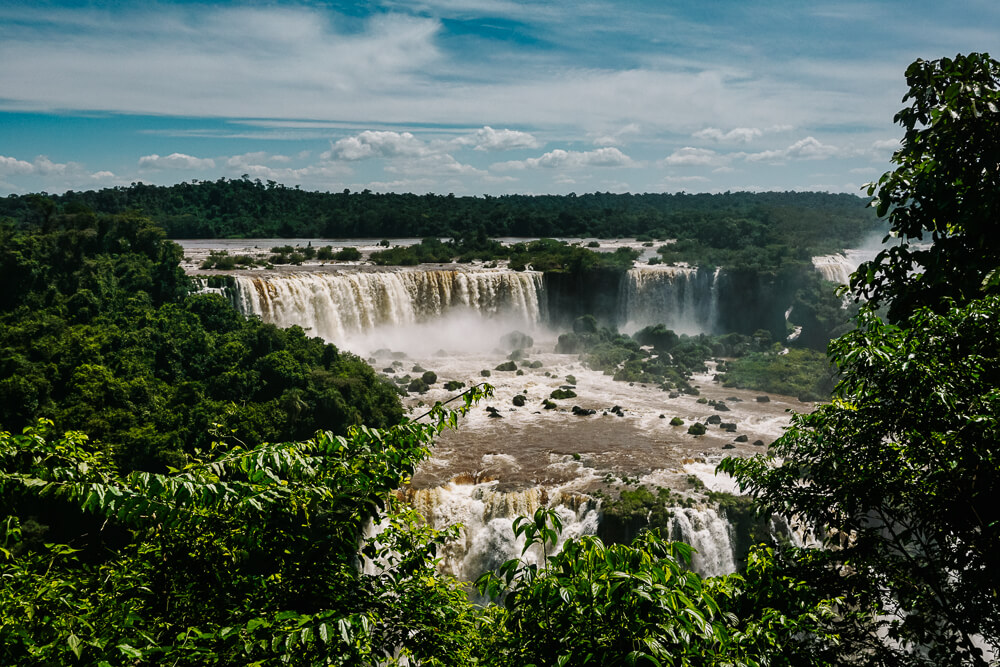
column 245, row 208
column 184, row 485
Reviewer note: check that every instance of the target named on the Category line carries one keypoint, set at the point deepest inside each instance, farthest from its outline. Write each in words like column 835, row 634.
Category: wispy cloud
column 563, row 159
column 694, row 157
column 175, row 161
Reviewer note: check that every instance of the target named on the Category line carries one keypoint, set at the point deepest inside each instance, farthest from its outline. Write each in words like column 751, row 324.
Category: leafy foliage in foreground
column 914, row 474
column 639, row 604
column 245, row 554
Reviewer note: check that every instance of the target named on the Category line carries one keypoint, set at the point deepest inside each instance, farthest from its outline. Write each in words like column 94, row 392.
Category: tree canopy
column 901, row 471
column 100, row 331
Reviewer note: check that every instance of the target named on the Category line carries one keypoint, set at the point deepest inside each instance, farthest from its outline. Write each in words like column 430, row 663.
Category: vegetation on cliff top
column 100, row 331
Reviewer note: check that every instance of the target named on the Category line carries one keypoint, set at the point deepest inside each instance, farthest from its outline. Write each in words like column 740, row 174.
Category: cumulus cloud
column 51, row 176
column 563, row 159
column 10, row 165
column 743, row 135
column 488, row 139
column 375, row 144
column 805, row 149
column 175, row 161
column 617, row 138
column 694, row 157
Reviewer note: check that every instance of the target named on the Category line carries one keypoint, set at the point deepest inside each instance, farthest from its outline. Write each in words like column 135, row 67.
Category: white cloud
column 617, row 138
column 54, row 176
column 694, row 157
column 10, row 165
column 375, row 144
column 563, row 159
column 256, row 158
column 175, row 161
column 488, row 139
column 804, row 149
column 742, row 135
column 885, row 147
column 440, row 164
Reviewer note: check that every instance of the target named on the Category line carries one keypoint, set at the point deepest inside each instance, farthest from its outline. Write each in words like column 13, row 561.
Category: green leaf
column 75, row 645
column 130, row 652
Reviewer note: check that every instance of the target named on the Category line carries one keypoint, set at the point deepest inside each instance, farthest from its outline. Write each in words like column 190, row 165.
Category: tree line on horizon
column 245, row 208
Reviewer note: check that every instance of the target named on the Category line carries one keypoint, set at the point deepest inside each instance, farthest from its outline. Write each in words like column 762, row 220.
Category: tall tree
column 945, row 189
column 902, row 469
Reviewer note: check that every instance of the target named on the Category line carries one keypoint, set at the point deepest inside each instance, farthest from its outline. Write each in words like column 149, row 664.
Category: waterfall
column 338, row 306
column 684, row 299
column 709, row 534
column 486, row 539
column 835, row 268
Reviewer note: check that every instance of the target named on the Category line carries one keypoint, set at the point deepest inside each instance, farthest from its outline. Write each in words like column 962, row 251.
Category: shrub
column 349, row 254
column 418, row 385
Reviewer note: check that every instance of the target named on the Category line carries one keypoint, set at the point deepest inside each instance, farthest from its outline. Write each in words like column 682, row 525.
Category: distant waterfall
column 685, row 299
column 835, row 268
column 711, row 536
column 487, row 539
column 337, row 306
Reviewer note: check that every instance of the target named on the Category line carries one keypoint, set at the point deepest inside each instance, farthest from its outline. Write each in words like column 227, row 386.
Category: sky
column 470, row 97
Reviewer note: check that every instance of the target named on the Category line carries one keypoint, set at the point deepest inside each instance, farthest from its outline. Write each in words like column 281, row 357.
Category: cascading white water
column 835, row 268
column 684, row 299
column 337, row 306
column 709, row 534
column 486, row 539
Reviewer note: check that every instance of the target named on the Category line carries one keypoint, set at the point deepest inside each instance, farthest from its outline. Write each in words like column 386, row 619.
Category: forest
column 245, row 208
column 185, row 486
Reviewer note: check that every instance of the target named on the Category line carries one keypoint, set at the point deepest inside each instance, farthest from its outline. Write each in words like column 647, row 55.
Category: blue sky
column 467, row 96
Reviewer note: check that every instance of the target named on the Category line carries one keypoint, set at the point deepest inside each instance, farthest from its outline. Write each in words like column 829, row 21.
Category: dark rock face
column 740, row 300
